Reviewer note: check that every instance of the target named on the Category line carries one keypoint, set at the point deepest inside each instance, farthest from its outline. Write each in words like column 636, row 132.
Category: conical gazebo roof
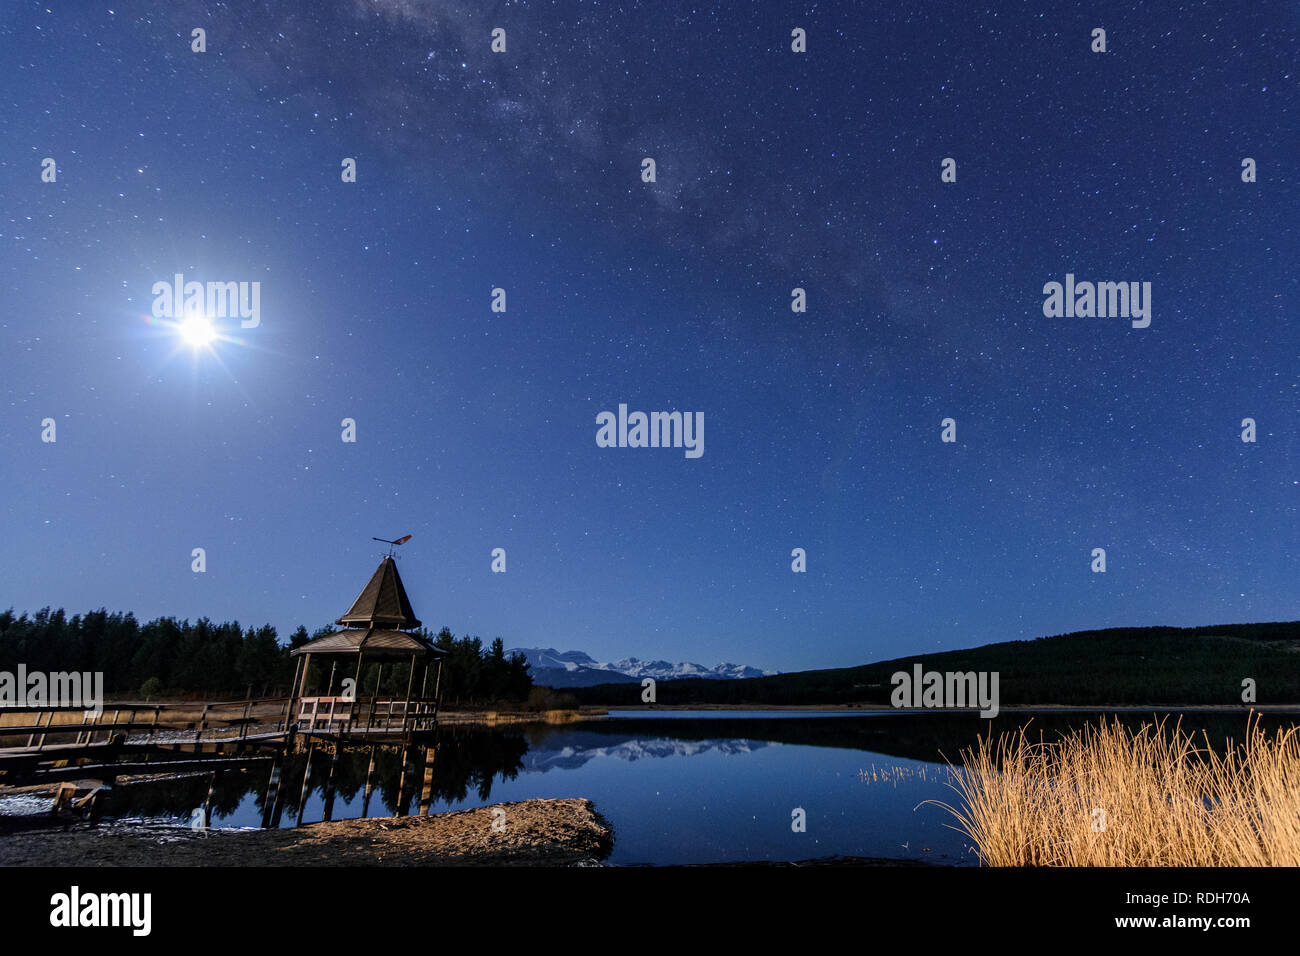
column 382, row 602
column 377, row 623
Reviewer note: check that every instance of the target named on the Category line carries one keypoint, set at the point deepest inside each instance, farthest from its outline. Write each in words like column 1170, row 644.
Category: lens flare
column 197, row 331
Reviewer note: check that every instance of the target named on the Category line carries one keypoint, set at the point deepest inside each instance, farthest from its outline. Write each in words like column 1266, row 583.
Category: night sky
column 522, row 170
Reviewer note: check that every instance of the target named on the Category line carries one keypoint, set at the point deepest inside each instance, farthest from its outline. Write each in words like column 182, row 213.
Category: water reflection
column 717, row 789
column 365, row 781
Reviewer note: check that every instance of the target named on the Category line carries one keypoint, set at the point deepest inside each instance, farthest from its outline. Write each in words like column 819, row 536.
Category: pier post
column 426, row 792
column 207, row 801
column 370, row 784
column 94, row 804
column 63, row 796
column 329, row 783
column 271, row 806
column 306, row 776
column 40, row 744
column 201, row 726
column 408, row 777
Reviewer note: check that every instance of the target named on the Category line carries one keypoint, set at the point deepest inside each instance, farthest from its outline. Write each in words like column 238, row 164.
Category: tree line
column 167, row 657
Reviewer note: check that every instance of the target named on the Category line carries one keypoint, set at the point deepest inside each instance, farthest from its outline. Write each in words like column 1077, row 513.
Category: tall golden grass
column 1167, row 799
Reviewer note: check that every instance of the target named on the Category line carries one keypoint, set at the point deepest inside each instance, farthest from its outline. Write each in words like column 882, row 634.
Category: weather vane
column 391, row 544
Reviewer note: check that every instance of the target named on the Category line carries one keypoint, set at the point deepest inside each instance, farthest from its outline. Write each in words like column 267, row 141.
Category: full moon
column 197, row 331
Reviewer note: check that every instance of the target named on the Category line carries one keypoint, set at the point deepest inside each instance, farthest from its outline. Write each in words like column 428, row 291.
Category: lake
column 678, row 786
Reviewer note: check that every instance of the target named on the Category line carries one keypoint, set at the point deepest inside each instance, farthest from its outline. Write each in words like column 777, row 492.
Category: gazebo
column 377, row 629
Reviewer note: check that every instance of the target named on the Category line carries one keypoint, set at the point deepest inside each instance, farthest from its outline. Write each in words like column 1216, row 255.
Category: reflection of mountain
column 552, row 668
column 575, row 752
column 936, row 735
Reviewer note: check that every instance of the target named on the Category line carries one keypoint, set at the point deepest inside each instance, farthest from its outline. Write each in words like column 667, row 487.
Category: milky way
column 476, row 428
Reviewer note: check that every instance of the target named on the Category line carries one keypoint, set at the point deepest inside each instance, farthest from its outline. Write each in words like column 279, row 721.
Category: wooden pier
column 56, row 747
column 74, row 749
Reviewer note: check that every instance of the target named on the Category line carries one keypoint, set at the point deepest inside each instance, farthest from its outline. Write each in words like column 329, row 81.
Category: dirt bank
column 535, row 833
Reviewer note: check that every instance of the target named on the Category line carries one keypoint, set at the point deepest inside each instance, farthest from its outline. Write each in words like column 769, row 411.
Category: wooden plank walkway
column 167, row 738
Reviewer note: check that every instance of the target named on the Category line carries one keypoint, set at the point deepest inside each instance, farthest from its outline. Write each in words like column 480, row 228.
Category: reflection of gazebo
column 376, row 629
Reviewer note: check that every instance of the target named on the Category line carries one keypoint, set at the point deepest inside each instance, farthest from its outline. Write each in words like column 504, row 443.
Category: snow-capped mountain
column 552, row 668
column 568, row 754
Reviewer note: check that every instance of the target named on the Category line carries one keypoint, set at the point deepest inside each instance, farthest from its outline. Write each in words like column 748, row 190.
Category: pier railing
column 377, row 715
column 38, row 729
column 24, row 728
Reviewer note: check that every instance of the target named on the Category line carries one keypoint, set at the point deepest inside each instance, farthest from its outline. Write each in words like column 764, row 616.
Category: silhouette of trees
column 473, row 675
column 201, row 657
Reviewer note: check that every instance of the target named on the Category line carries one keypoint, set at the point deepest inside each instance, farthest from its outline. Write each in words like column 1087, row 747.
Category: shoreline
column 566, row 832
column 550, row 832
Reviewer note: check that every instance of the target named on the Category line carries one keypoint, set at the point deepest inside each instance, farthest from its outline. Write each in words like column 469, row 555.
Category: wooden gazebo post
column 293, row 695
column 374, row 697
column 406, row 709
column 354, row 708
column 306, row 667
column 356, row 680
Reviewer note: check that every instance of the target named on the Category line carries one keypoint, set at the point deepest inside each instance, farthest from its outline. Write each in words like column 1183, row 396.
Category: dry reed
column 1164, row 798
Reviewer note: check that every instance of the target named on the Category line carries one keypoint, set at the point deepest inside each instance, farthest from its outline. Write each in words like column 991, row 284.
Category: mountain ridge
column 552, row 668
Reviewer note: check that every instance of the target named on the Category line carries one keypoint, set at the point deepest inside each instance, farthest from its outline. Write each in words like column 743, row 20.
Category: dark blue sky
column 776, row 170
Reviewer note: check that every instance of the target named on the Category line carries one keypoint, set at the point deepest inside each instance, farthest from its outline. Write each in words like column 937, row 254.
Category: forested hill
column 1115, row 666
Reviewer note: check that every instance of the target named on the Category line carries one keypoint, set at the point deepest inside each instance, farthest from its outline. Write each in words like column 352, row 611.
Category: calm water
column 678, row 787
